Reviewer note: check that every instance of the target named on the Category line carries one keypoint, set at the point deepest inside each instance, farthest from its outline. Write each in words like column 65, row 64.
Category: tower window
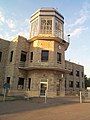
column 23, row 56
column 58, row 57
column 0, row 56
column 46, row 26
column 44, row 55
column 11, row 56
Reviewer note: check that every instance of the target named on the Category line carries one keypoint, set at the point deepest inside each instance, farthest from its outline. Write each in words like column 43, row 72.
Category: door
column 43, row 87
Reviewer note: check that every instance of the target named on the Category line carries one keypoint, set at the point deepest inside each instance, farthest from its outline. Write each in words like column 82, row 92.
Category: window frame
column 23, row 56
column 0, row 56
column 44, row 58
column 71, row 84
column 11, row 56
column 31, row 56
column 59, row 57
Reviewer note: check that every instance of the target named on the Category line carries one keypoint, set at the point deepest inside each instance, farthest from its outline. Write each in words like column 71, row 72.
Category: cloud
column 77, row 31
column 10, row 23
column 78, row 26
column 2, row 19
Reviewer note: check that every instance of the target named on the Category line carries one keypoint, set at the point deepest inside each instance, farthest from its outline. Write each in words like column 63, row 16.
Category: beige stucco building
column 37, row 65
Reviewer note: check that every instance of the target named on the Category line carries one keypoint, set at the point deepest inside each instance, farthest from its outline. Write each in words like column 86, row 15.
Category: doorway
column 43, row 88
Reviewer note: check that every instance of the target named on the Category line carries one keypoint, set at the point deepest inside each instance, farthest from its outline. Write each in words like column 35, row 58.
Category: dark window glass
column 23, row 56
column 58, row 57
column 77, row 84
column 82, row 74
column 21, row 83
column 77, row 73
column 31, row 57
column 44, row 55
column 11, row 56
column 70, row 83
column 0, row 56
column 29, row 83
column 8, row 80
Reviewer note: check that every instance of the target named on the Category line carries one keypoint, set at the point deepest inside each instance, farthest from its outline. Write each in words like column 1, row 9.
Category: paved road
column 10, row 107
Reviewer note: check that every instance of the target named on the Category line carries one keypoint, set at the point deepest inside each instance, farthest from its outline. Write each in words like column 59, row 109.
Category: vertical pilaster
column 53, row 26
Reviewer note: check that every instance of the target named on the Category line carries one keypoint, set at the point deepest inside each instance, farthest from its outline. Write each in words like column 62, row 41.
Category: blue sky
column 15, row 16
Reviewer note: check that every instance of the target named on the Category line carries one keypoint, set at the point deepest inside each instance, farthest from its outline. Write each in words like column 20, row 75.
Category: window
column 46, row 26
column 77, row 84
column 23, row 56
column 77, row 73
column 58, row 57
column 58, row 29
column 11, row 56
column 34, row 28
column 82, row 85
column 8, row 80
column 29, row 83
column 31, row 56
column 82, row 74
column 71, row 73
column 21, row 83
column 70, row 83
column 0, row 56
column 44, row 55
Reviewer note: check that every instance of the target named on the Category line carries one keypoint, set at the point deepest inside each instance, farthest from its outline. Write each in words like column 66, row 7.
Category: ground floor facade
column 37, row 83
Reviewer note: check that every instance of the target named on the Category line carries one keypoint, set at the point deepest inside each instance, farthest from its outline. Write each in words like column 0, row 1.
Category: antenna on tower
column 68, row 38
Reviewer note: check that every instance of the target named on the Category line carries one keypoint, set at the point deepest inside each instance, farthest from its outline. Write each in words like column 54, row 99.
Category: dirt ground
column 63, row 108
column 66, row 112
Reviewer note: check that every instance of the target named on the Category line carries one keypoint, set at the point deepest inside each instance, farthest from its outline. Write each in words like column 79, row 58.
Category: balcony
column 44, row 66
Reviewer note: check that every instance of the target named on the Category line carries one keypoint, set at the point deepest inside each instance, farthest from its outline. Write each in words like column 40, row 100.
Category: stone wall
column 4, row 48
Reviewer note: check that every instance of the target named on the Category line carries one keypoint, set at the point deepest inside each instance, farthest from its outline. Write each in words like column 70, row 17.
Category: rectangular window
column 21, row 83
column 29, row 83
column 77, row 84
column 58, row 57
column 70, row 83
column 82, row 74
column 11, row 56
column 77, row 73
column 8, row 80
column 44, row 55
column 71, row 73
column 23, row 56
column 31, row 56
column 0, row 56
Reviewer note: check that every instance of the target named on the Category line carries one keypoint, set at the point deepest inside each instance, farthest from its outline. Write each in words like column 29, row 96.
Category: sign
column 6, row 86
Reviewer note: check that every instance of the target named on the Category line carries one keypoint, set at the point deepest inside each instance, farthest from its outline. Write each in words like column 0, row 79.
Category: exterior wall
column 38, row 76
column 74, row 67
column 4, row 48
column 12, row 71
column 38, row 45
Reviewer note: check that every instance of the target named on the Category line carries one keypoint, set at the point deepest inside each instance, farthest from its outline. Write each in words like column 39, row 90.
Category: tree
column 87, row 81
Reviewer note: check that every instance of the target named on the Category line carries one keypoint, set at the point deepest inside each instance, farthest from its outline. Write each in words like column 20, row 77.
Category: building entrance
column 43, row 88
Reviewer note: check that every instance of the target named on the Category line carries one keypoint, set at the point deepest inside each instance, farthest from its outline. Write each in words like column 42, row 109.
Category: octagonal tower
column 47, row 50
